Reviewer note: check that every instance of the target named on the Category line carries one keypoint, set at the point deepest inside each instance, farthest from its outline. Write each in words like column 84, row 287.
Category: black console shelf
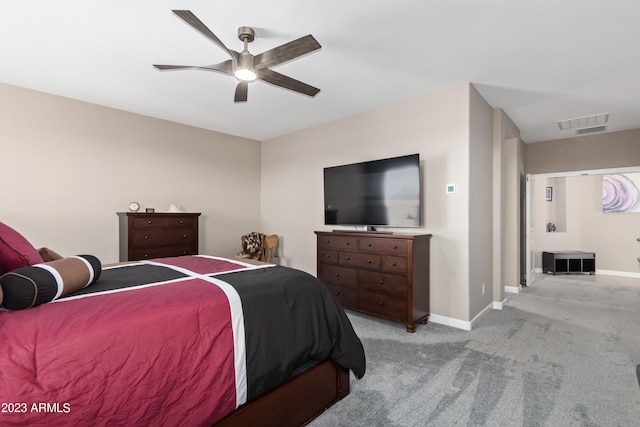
column 568, row 262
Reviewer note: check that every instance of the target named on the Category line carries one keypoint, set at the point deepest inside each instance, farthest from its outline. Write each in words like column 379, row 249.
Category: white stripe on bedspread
column 237, row 320
column 239, row 350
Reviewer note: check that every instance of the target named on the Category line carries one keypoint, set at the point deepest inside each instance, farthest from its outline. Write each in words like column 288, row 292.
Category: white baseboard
column 513, row 289
column 618, row 273
column 480, row 315
column 450, row 321
column 461, row 324
column 604, row 273
column 498, row 305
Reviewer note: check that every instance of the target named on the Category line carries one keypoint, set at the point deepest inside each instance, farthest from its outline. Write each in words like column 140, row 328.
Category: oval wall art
column 621, row 193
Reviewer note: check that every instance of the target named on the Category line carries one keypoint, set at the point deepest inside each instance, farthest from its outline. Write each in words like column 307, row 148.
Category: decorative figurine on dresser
column 384, row 275
column 146, row 235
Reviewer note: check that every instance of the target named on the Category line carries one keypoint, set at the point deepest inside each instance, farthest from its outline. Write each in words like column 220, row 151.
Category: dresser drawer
column 385, row 305
column 389, row 246
column 338, row 242
column 345, row 295
column 395, row 264
column 148, row 222
column 358, row 259
column 334, row 275
column 181, row 221
column 163, row 237
column 328, row 256
column 163, row 252
column 390, row 284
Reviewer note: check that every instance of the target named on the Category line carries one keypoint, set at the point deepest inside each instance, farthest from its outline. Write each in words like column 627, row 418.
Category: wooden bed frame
column 295, row 402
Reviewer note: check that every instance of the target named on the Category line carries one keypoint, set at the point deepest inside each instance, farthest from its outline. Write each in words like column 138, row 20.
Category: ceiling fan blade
column 241, row 92
column 286, row 82
column 286, row 52
column 191, row 19
column 223, row 67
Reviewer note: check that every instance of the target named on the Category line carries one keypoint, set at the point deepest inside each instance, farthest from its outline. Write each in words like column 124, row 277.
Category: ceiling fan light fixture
column 245, row 75
column 244, row 70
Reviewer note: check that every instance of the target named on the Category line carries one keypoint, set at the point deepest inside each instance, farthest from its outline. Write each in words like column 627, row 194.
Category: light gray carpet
column 564, row 352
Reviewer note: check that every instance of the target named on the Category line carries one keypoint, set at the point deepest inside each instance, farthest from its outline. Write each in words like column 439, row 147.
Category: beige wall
column 480, row 203
column 513, row 176
column 437, row 127
column 69, row 166
column 607, row 150
column 508, row 158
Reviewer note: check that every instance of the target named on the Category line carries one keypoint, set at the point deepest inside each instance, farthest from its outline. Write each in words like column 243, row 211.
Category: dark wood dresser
column 385, row 275
column 157, row 235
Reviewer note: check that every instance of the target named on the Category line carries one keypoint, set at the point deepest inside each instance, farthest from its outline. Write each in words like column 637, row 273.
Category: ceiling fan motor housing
column 246, row 33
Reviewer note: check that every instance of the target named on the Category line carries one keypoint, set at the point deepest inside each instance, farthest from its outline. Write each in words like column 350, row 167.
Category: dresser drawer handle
column 327, row 256
column 380, row 303
column 181, row 221
column 326, row 242
column 337, row 292
column 348, row 243
column 146, row 237
column 347, row 258
column 337, row 274
column 369, row 244
column 184, row 236
column 368, row 261
column 395, row 246
column 381, row 282
column 149, row 222
column 394, row 264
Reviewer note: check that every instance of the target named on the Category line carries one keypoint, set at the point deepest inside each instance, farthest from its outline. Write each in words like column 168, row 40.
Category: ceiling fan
column 247, row 67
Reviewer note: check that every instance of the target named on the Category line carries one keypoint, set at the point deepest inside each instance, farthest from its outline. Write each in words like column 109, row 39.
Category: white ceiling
column 540, row 61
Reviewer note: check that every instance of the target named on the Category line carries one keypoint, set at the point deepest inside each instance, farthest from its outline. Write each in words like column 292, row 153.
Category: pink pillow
column 15, row 250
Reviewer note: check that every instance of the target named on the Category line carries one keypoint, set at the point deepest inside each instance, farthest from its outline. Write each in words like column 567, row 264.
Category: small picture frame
column 548, row 194
column 150, row 210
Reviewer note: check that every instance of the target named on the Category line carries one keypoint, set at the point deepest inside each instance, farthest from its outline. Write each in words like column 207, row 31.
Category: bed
column 192, row 340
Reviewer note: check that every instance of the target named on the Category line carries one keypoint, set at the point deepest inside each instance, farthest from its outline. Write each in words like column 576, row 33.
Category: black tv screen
column 383, row 192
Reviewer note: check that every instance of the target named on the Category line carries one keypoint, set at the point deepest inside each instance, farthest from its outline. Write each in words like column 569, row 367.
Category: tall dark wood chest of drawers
column 157, row 235
column 384, row 275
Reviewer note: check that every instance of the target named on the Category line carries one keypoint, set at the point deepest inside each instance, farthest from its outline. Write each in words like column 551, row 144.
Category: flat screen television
column 383, row 193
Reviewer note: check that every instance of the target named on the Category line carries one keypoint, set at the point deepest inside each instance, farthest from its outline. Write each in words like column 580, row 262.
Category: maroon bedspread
column 164, row 351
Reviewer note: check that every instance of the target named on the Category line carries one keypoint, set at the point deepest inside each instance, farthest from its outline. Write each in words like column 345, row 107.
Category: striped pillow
column 28, row 287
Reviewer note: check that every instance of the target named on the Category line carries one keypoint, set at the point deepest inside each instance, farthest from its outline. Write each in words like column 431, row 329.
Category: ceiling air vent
column 591, row 130
column 597, row 120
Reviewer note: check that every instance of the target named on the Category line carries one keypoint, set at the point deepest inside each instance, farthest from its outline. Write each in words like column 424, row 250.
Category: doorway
column 529, row 261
